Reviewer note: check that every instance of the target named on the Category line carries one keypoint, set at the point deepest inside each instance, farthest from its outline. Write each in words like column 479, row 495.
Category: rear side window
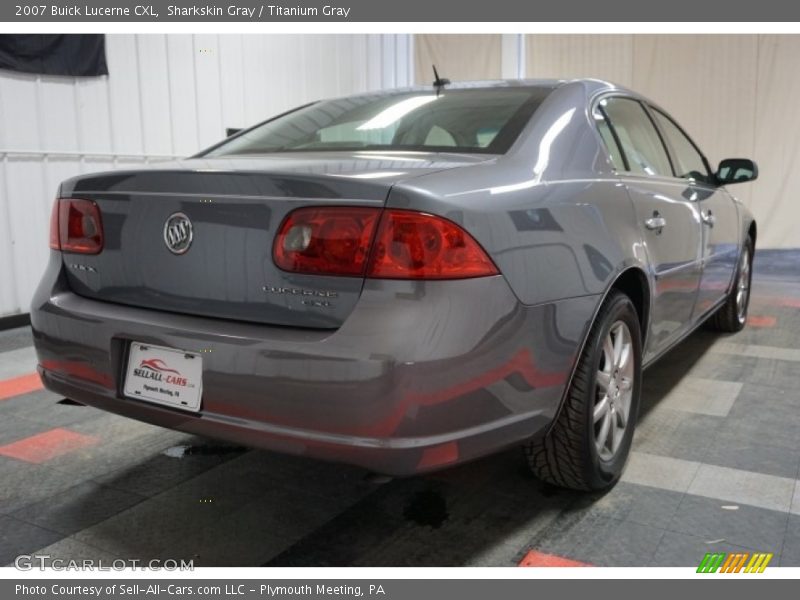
column 689, row 163
column 643, row 148
column 614, row 153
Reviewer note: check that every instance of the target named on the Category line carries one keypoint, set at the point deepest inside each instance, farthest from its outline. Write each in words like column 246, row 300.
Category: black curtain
column 76, row 55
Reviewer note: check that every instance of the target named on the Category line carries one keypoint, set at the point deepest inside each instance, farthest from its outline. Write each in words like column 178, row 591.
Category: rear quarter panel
column 551, row 212
column 551, row 242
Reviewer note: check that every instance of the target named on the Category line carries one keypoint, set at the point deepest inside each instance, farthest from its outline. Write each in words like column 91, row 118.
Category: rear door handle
column 656, row 222
column 708, row 218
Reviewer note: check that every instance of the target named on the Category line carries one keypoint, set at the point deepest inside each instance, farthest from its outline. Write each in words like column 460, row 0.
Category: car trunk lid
column 235, row 206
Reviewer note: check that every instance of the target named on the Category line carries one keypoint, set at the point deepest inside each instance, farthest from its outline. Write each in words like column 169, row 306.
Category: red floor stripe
column 47, row 445
column 20, row 385
column 541, row 559
column 761, row 321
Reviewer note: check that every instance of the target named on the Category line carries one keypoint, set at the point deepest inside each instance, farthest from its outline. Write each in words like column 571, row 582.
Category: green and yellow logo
column 722, row 562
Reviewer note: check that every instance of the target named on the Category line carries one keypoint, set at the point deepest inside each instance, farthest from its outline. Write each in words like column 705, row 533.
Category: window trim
column 602, row 112
column 242, row 132
column 644, row 106
column 670, row 150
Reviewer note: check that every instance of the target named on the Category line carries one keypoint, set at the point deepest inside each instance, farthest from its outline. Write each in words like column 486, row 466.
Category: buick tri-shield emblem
column 178, row 233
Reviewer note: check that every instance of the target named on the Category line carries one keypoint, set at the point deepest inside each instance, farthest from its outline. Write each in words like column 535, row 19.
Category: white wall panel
column 374, row 54
column 207, row 89
column 512, row 56
column 28, row 224
column 154, row 96
column 166, row 95
column 20, row 125
column 403, row 69
column 57, row 112
column 231, row 60
column 8, row 287
column 123, row 93
column 93, row 118
column 256, row 66
column 182, row 98
column 57, row 169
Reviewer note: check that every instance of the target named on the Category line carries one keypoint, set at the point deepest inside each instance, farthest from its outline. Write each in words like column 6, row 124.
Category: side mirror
column 736, row 170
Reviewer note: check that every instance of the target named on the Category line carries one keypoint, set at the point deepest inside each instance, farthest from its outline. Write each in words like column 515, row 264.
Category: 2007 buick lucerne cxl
column 402, row 280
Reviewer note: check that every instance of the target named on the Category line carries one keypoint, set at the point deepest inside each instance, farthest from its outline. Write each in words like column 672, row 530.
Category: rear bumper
column 420, row 376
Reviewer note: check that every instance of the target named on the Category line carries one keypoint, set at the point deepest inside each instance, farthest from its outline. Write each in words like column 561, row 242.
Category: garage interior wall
column 166, row 96
column 457, row 57
column 736, row 95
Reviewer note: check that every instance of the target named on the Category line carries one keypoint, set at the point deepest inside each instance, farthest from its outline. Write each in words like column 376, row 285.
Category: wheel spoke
column 625, row 384
column 601, row 409
column 613, row 435
column 618, row 344
column 608, row 352
column 743, row 287
column 603, row 380
column 622, row 415
column 625, row 357
column 602, row 435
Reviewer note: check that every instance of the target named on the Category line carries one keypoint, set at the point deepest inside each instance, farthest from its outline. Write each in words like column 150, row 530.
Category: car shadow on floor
column 225, row 506
column 262, row 508
column 668, row 372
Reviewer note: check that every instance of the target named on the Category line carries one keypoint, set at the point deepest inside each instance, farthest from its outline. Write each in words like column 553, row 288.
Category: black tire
column 729, row 318
column 567, row 456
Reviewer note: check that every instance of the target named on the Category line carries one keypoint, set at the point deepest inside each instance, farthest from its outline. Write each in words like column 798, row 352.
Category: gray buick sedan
column 402, row 280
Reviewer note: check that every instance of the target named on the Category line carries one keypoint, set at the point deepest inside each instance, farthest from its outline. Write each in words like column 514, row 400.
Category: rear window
column 461, row 120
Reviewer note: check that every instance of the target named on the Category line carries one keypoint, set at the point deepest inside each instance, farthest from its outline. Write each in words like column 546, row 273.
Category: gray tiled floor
column 19, row 537
column 714, row 469
column 660, row 472
column 674, row 549
column 696, row 395
column 737, row 452
column 745, row 526
column 603, row 541
column 637, row 503
column 77, row 508
column 676, row 433
column 790, row 554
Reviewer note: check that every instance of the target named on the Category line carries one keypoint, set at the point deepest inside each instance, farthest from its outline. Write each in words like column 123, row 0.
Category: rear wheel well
column 633, row 283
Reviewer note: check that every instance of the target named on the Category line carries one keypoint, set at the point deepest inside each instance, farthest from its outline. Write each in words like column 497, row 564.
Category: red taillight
column 75, row 226
column 326, row 241
column 407, row 245
column 412, row 245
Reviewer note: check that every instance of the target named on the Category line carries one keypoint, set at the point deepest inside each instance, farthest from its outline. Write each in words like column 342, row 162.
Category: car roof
column 591, row 86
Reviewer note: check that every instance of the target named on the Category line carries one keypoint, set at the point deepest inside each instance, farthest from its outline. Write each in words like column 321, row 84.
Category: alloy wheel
column 743, row 286
column 613, row 391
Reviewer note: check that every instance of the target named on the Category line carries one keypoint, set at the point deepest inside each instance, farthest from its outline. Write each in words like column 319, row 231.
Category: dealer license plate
column 164, row 376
